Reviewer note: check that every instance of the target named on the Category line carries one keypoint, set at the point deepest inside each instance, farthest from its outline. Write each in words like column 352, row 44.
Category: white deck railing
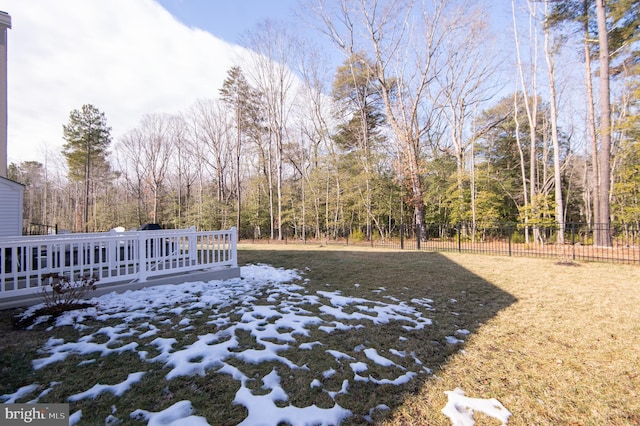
column 26, row 261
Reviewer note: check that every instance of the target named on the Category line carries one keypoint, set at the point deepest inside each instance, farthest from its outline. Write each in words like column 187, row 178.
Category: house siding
column 10, row 208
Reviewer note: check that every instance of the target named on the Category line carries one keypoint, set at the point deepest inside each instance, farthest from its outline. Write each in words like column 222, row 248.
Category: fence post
column 509, row 237
column 573, row 241
column 401, row 236
column 459, row 240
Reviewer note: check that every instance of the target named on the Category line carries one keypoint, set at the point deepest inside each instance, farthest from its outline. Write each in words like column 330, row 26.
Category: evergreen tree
column 243, row 100
column 359, row 106
column 359, row 111
column 626, row 187
column 616, row 24
column 87, row 139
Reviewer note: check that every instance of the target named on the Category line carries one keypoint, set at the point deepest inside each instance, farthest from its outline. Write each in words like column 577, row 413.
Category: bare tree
column 523, row 168
column 531, row 106
column 272, row 47
column 405, row 44
column 312, row 106
column 464, row 84
column 557, row 175
column 145, row 159
column 211, row 130
column 157, row 153
column 133, row 169
column 183, row 168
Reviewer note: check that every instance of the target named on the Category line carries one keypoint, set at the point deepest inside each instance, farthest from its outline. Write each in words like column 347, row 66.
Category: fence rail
column 577, row 243
column 26, row 261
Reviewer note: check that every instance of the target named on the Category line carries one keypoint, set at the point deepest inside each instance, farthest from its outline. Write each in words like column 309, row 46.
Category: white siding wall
column 10, row 208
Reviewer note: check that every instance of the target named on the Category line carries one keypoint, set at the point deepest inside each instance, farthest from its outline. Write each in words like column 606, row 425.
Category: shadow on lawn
column 462, row 302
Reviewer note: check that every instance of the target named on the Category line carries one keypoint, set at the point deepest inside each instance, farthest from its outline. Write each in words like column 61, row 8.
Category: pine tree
column 87, row 139
column 616, row 25
column 360, row 115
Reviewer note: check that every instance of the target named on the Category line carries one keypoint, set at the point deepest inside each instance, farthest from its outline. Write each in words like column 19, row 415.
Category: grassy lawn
column 556, row 344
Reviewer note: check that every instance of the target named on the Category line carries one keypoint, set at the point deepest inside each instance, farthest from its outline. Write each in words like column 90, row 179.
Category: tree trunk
column 557, row 176
column 87, row 175
column 595, row 172
column 238, row 151
column 270, row 183
column 532, row 114
column 523, row 169
column 279, row 161
column 603, row 235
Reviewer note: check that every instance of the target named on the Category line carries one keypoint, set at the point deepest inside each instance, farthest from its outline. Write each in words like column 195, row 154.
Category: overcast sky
column 126, row 57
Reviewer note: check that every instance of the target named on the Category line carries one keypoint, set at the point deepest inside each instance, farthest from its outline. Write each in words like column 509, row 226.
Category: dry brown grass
column 566, row 352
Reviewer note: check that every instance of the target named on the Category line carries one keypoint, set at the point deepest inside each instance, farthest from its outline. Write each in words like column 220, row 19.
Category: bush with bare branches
column 66, row 292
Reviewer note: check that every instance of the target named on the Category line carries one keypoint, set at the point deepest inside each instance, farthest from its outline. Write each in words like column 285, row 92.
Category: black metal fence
column 574, row 243
column 40, row 229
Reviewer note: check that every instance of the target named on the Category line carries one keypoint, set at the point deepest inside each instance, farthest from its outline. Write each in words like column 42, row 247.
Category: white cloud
column 125, row 57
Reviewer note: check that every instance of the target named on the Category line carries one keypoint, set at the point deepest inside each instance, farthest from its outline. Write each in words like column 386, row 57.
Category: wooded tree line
column 424, row 121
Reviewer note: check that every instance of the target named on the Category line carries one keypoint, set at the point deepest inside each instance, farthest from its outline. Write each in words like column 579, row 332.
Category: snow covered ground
column 277, row 326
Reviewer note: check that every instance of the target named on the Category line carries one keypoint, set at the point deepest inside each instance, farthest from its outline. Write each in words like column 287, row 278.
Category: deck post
column 234, row 247
column 143, row 254
column 193, row 246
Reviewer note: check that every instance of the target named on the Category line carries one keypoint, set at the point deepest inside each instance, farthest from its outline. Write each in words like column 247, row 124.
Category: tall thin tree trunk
column 279, row 160
column 86, row 189
column 270, row 181
column 472, row 180
column 523, row 169
column 603, row 233
column 532, row 117
column 238, row 149
column 557, row 176
column 595, row 197
column 178, row 221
